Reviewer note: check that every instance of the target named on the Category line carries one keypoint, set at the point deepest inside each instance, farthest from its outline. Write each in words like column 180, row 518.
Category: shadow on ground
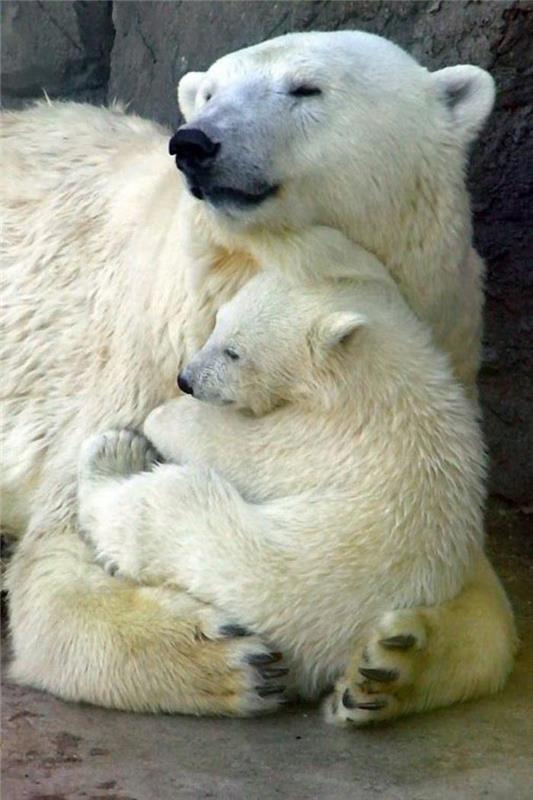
column 56, row 751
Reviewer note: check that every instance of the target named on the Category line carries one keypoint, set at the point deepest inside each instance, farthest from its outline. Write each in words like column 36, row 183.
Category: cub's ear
column 336, row 329
column 187, row 90
column 469, row 93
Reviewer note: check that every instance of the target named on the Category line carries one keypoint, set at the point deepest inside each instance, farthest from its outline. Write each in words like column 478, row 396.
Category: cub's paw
column 115, row 454
column 381, row 681
column 108, row 564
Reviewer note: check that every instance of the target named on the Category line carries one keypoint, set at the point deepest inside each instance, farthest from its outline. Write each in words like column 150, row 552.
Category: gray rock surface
column 61, row 48
column 77, row 50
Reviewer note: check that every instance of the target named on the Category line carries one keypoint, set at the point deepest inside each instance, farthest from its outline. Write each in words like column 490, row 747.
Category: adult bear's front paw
column 252, row 678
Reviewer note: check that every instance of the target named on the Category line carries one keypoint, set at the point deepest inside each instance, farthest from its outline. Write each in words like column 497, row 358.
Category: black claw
column 263, row 658
column 272, row 672
column 265, row 691
column 374, row 706
column 234, row 631
column 381, row 675
column 348, row 700
column 400, row 642
column 155, row 453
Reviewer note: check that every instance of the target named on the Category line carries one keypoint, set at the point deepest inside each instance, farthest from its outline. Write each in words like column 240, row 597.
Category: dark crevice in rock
column 97, row 33
column 63, row 49
column 144, row 40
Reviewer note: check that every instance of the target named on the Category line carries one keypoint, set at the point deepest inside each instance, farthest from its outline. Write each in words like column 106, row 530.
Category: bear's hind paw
column 381, row 680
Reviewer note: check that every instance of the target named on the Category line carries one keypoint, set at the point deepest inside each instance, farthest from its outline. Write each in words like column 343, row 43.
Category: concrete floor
column 483, row 749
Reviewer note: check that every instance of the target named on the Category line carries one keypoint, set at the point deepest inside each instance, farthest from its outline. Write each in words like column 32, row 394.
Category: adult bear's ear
column 187, row 91
column 336, row 330
column 469, row 93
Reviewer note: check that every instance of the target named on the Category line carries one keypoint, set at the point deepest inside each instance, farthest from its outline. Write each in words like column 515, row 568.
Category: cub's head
column 276, row 343
column 309, row 127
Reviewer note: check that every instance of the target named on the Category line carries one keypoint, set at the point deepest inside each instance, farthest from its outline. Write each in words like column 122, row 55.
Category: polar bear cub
column 328, row 468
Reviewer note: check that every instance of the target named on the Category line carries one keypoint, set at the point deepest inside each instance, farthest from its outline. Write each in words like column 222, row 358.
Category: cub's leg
column 427, row 657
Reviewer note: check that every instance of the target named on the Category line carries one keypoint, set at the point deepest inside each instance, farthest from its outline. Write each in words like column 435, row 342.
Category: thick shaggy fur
column 339, row 476
column 113, row 274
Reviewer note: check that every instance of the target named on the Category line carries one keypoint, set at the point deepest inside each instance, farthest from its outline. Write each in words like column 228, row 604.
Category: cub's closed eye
column 231, row 354
column 305, row 90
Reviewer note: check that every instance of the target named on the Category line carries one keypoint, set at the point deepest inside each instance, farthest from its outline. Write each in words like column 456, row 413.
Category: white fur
column 344, row 478
column 113, row 275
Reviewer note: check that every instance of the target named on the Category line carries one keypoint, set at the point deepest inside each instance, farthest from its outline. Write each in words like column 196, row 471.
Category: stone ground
column 483, row 749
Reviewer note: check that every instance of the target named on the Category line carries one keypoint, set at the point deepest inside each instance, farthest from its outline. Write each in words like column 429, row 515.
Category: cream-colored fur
column 112, row 277
column 429, row 657
column 339, row 475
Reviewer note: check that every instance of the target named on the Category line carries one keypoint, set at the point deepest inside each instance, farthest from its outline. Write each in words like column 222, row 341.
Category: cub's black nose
column 184, row 384
column 192, row 148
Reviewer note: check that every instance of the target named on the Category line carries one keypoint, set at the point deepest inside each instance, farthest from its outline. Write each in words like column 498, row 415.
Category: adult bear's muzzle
column 193, row 149
column 196, row 155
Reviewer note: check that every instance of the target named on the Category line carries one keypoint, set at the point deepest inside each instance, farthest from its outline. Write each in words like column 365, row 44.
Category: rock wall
column 63, row 48
column 137, row 51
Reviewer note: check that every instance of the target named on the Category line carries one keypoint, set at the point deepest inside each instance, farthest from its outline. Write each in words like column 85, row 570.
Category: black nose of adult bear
column 184, row 384
column 192, row 148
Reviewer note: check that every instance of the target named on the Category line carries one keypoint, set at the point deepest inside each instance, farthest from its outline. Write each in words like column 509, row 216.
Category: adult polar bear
column 114, row 274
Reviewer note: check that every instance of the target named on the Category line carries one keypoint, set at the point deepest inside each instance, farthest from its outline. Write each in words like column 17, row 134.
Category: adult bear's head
column 317, row 127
